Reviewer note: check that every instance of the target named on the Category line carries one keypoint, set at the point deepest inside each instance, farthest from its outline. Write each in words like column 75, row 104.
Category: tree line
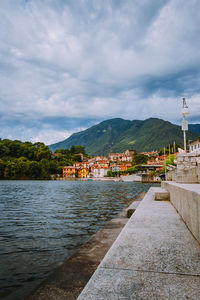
column 26, row 160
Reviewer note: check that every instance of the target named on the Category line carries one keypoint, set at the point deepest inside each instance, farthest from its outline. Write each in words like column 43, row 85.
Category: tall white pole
column 165, row 163
column 184, row 137
column 174, row 149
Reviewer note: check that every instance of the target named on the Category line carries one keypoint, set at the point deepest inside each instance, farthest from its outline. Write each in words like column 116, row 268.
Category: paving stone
column 113, row 284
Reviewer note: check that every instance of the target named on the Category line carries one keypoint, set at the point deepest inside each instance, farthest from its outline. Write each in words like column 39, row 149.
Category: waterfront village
column 121, row 165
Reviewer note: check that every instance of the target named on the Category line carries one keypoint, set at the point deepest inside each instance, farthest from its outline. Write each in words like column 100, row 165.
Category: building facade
column 194, row 147
column 99, row 172
column 126, row 156
column 69, row 172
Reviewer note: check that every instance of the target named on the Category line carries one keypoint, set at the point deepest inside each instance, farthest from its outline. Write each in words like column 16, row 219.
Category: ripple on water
column 44, row 222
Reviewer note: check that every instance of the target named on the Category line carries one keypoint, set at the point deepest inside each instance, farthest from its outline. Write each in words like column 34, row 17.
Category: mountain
column 117, row 135
column 194, row 128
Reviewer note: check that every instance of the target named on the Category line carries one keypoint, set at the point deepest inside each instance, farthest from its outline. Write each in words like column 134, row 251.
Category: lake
column 42, row 223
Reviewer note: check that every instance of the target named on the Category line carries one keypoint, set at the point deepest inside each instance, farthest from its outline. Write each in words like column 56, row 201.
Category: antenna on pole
column 185, row 110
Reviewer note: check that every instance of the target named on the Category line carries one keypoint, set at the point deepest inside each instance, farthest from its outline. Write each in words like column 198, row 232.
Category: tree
column 79, row 149
column 169, row 160
column 72, row 149
column 43, row 152
column 4, row 150
column 139, row 159
column 45, row 169
column 2, row 168
column 20, row 160
column 35, row 170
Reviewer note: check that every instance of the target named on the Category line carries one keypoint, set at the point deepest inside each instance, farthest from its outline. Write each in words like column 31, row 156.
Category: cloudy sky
column 68, row 64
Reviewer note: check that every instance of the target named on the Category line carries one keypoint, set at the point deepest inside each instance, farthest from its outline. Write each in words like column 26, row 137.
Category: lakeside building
column 151, row 153
column 77, row 165
column 114, row 168
column 99, row 172
column 78, row 170
column 103, row 163
column 194, row 147
column 147, row 172
column 69, row 172
column 100, row 167
column 124, row 167
column 79, row 155
column 82, row 173
column 120, row 166
column 101, row 158
column 157, row 160
column 125, row 156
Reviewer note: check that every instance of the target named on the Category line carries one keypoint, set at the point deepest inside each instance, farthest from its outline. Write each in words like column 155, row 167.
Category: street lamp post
column 185, row 112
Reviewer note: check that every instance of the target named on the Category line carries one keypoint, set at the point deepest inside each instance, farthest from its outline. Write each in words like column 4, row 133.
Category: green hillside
column 195, row 128
column 117, row 135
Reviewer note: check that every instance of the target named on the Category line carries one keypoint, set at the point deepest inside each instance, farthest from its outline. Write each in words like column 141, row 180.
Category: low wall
column 186, row 199
column 187, row 170
column 186, row 176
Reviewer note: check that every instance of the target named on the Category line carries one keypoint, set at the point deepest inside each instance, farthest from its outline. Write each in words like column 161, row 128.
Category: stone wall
column 187, row 169
column 186, row 161
column 186, row 199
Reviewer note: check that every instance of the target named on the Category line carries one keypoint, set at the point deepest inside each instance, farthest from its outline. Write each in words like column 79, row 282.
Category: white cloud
column 52, row 136
column 92, row 59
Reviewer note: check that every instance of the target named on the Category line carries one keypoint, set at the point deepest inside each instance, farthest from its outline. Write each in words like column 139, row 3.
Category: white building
column 126, row 156
column 99, row 172
column 195, row 147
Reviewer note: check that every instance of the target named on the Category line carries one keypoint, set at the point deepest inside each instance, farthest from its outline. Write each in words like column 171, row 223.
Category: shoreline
column 107, row 179
column 68, row 280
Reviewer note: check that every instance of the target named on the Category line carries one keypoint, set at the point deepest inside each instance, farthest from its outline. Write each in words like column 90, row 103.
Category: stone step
column 161, row 195
column 131, row 209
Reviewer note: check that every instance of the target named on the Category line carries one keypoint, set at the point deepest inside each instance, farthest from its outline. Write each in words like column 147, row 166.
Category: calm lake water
column 42, row 223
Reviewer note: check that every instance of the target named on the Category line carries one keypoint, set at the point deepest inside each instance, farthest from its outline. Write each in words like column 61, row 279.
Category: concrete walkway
column 154, row 257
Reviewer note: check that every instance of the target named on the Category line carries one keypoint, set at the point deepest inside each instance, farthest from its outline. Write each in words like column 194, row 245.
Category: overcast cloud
column 66, row 65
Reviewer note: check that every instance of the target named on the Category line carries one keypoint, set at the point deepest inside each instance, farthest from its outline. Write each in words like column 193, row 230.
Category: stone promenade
column 154, row 257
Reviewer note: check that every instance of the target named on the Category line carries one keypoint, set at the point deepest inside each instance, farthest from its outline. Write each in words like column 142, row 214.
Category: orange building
column 120, row 166
column 69, row 172
column 83, row 172
column 124, row 167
